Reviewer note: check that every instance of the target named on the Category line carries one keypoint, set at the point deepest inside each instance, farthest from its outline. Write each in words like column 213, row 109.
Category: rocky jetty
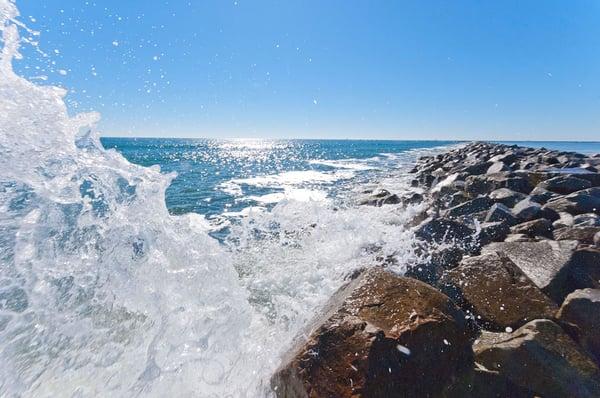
column 505, row 301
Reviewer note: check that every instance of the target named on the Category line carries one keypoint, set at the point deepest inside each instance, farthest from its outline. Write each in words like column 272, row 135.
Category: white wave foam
column 301, row 195
column 295, row 178
column 351, row 164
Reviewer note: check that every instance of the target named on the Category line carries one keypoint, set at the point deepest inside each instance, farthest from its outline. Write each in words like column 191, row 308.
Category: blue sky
column 516, row 70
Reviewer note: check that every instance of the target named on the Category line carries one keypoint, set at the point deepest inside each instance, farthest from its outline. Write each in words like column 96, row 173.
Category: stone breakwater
column 505, row 301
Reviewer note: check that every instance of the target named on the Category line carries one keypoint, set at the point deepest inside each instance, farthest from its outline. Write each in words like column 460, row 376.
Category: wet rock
column 556, row 267
column 580, row 315
column 582, row 234
column 542, row 358
column 473, row 206
column 494, row 288
column 441, row 230
column 585, row 201
column 597, row 239
column 493, row 232
column 506, row 196
column 379, row 198
column 457, row 198
column 483, row 383
column 539, row 227
column 527, row 210
column 565, row 184
column 381, row 334
column 499, row 212
column 541, row 195
column 431, row 269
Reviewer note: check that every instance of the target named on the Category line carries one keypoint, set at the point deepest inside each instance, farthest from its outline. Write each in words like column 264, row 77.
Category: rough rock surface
column 498, row 292
column 381, row 335
column 582, row 234
column 548, row 264
column 580, row 313
column 541, row 357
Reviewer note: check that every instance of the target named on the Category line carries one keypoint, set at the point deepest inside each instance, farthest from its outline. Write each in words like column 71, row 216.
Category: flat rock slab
column 581, row 234
column 580, row 313
column 541, row 357
column 382, row 336
column 496, row 290
column 548, row 264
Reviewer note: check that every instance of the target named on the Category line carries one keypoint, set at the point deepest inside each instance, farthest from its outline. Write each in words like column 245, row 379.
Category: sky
column 461, row 69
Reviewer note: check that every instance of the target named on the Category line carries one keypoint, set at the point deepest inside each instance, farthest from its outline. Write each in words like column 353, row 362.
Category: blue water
column 226, row 176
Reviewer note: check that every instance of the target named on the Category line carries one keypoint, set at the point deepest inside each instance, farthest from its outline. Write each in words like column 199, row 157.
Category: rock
column 585, row 201
column 381, row 334
column 527, row 210
column 565, row 184
column 477, row 168
column 541, row 195
column 518, row 238
column 494, row 288
column 539, row 227
column 586, row 220
column 493, row 232
column 506, row 196
column 565, row 220
column 499, row 212
column 379, row 198
column 556, row 267
column 581, row 234
column 483, row 383
column 542, row 358
column 597, row 239
column 457, row 198
column 580, row 315
column 473, row 206
column 497, row 167
column 518, row 184
column 440, row 230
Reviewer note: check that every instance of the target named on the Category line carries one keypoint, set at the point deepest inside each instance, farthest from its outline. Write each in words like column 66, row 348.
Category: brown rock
column 383, row 336
column 483, row 383
column 581, row 234
column 542, row 358
column 580, row 313
column 495, row 289
column 539, row 227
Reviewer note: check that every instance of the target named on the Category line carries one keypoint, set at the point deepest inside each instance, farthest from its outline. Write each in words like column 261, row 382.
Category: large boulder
column 580, row 315
column 379, row 198
column 498, row 292
column 580, row 202
column 534, row 228
column 541, row 195
column 581, row 234
column 506, row 196
column 556, row 267
column 476, row 205
column 527, row 210
column 382, row 336
column 542, row 358
column 565, row 184
column 499, row 212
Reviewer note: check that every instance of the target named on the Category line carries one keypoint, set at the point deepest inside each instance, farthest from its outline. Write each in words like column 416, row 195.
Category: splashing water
column 102, row 292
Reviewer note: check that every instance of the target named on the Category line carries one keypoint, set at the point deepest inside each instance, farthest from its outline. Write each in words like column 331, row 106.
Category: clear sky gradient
column 513, row 70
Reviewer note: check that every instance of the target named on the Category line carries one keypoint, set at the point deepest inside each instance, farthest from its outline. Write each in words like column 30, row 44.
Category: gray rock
column 518, row 238
column 527, row 210
column 541, row 195
column 597, row 239
column 497, row 291
column 379, row 198
column 499, row 212
column 493, row 232
column 580, row 315
column 565, row 220
column 497, row 167
column 506, row 196
column 440, row 230
column 565, row 184
column 585, row 201
column 539, row 227
column 586, row 220
column 473, row 206
column 581, row 234
column 549, row 264
column 542, row 358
